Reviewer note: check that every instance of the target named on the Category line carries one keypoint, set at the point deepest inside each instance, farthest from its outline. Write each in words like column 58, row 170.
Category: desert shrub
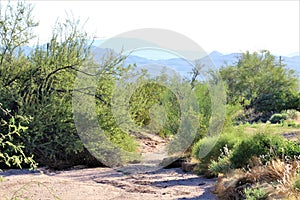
column 296, row 184
column 255, row 146
column 52, row 136
column 156, row 108
column 255, row 193
column 277, row 101
column 292, row 113
column 277, row 118
column 40, row 83
column 12, row 148
column 230, row 137
column 273, row 180
column 223, row 164
column 234, row 114
column 258, row 81
column 291, row 124
column 263, row 145
column 202, row 94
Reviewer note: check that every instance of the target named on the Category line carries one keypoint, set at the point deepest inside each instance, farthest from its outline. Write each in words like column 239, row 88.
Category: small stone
column 188, row 167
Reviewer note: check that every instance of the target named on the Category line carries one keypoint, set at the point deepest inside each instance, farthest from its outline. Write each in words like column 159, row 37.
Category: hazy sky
column 226, row 26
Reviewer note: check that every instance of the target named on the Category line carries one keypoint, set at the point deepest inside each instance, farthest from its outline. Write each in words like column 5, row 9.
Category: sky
column 224, row 26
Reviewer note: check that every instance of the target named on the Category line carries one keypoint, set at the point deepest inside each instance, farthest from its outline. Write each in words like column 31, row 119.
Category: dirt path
column 107, row 183
column 104, row 183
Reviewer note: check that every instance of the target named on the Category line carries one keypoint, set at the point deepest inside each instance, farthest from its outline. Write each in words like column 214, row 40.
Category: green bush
column 40, row 84
column 255, row 194
column 223, row 164
column 292, row 113
column 156, row 108
column 12, row 148
column 230, row 137
column 291, row 124
column 265, row 146
column 234, row 114
column 278, row 118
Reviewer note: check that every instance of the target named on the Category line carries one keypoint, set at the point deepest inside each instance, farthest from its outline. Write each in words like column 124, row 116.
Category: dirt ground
column 107, row 183
column 104, row 183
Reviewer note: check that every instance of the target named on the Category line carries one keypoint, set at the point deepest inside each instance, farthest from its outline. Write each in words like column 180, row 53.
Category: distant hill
column 184, row 67
column 219, row 60
column 292, row 62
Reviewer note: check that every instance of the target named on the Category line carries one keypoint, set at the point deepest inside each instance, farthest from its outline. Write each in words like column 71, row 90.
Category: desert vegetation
column 256, row 157
column 253, row 158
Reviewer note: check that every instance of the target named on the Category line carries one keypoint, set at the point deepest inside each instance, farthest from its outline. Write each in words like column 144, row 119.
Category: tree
column 39, row 84
column 16, row 26
column 45, row 92
column 261, row 82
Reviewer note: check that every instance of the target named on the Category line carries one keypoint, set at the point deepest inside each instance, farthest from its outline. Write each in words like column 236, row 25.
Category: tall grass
column 278, row 179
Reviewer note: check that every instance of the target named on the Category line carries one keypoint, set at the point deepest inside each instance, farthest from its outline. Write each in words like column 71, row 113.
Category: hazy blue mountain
column 221, row 60
column 292, row 63
column 182, row 66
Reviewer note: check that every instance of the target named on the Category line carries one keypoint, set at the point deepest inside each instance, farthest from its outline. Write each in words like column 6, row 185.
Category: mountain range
column 219, row 60
column 183, row 66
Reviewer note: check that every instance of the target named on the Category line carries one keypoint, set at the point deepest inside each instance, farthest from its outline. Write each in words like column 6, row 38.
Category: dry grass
column 276, row 178
column 297, row 120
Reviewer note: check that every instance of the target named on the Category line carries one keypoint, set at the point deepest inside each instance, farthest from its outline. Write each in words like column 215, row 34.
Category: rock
column 188, row 167
column 173, row 162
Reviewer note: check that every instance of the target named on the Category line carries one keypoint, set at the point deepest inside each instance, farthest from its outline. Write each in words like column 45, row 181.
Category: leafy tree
column 259, row 81
column 112, row 71
column 12, row 149
column 46, row 94
column 40, row 84
column 16, row 26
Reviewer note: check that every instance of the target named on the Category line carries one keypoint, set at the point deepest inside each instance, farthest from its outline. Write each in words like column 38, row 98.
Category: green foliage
column 278, row 118
column 213, row 163
column 230, row 137
column 276, row 101
column 292, row 124
column 265, row 146
column 242, row 149
column 255, row 194
column 40, row 84
column 202, row 93
column 47, row 95
column 291, row 114
column 104, row 96
column 12, row 129
column 223, row 164
column 233, row 113
column 260, row 82
column 154, row 96
column 296, row 184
